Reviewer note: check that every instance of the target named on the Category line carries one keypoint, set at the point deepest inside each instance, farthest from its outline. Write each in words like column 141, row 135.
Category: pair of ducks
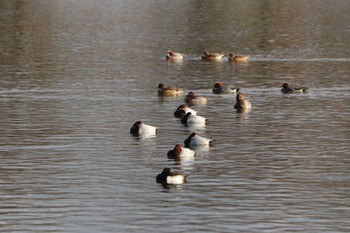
column 174, row 177
column 206, row 56
column 288, row 89
column 139, row 128
column 241, row 103
column 191, row 142
column 189, row 116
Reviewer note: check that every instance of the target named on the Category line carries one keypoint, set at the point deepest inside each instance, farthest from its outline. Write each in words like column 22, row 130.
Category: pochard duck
column 189, row 119
column 287, row 88
column 219, row 88
column 192, row 98
column 206, row 56
column 182, row 110
column 196, row 140
column 140, row 128
column 180, row 152
column 168, row 91
column 241, row 103
column 171, row 177
column 172, row 56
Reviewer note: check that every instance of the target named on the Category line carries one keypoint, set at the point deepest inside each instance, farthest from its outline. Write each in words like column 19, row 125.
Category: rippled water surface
column 75, row 76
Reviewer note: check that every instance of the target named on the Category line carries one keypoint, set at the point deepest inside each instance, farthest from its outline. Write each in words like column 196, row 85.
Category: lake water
column 75, row 75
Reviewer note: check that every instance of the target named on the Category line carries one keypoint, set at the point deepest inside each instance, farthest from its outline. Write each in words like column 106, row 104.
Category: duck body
column 192, row 98
column 190, row 119
column 237, row 57
column 170, row 177
column 211, row 56
column 168, row 91
column 219, row 88
column 180, row 152
column 172, row 56
column 245, row 104
column 182, row 110
column 196, row 140
column 288, row 89
column 241, row 103
column 140, row 128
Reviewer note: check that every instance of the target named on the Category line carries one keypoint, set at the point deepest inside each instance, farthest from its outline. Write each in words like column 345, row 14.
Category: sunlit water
column 75, row 76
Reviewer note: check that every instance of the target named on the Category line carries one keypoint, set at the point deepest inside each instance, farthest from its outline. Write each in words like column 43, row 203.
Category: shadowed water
column 76, row 75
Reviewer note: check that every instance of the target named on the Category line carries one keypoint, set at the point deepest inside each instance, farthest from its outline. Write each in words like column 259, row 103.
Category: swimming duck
column 241, row 103
column 139, row 128
column 189, row 119
column 287, row 88
column 192, row 98
column 180, row 152
column 171, row 177
column 211, row 56
column 237, row 57
column 172, row 56
column 220, row 89
column 168, row 91
column 182, row 110
column 195, row 140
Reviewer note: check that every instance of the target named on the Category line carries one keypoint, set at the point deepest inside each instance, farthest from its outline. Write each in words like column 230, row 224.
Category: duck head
column 239, row 97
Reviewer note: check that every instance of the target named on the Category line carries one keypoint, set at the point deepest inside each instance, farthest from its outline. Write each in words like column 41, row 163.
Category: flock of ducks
column 206, row 56
column 189, row 117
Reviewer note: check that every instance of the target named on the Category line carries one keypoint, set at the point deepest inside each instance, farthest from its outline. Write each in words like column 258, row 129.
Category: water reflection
column 200, row 128
column 243, row 114
column 185, row 164
column 144, row 138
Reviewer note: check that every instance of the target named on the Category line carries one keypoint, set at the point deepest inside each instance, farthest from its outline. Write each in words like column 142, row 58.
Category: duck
column 168, row 91
column 206, row 56
column 190, row 119
column 241, row 103
column 237, row 57
column 192, row 98
column 196, row 140
column 219, row 88
column 182, row 110
column 180, row 152
column 287, row 88
column 140, row 128
column 171, row 177
column 172, row 56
